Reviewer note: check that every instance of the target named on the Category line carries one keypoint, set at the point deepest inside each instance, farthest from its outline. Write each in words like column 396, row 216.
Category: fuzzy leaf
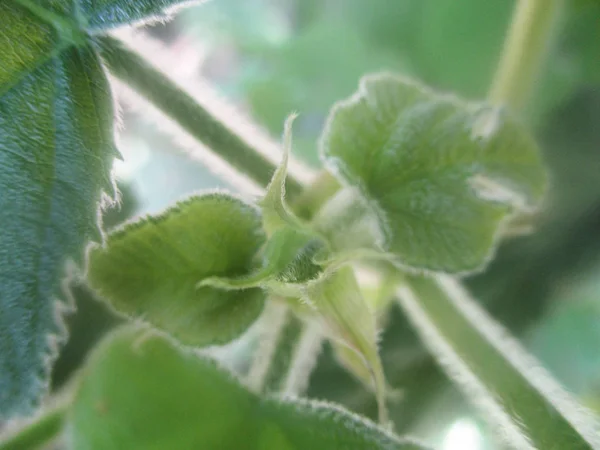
column 350, row 321
column 56, row 152
column 439, row 175
column 276, row 213
column 287, row 258
column 106, row 14
column 141, row 392
column 150, row 268
column 65, row 8
column 25, row 43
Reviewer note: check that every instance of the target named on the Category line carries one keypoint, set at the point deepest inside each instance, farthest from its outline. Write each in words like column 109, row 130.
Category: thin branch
column 273, row 322
column 524, row 51
column 514, row 393
column 304, row 360
column 196, row 118
column 37, row 433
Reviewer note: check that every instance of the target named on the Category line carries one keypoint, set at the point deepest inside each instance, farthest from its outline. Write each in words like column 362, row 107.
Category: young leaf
column 439, row 175
column 56, row 152
column 528, row 408
column 150, row 268
column 276, row 213
column 287, row 258
column 349, row 320
column 142, row 392
column 106, row 14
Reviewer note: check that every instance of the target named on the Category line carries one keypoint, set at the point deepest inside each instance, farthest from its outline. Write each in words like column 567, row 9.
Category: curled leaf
column 437, row 175
column 149, row 269
column 349, row 321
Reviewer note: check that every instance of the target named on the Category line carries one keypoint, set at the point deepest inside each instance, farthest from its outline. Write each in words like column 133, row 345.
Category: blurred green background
column 272, row 57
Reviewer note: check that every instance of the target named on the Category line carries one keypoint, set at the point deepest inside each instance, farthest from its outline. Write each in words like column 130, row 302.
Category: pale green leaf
column 142, row 392
column 56, row 152
column 349, row 321
column 439, row 175
column 287, row 258
column 276, row 213
column 150, row 268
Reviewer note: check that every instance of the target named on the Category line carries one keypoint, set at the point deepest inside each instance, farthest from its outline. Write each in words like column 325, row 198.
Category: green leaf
column 349, row 321
column 106, row 14
column 287, row 258
column 514, row 393
column 276, row 213
column 288, row 254
column 438, row 175
column 140, row 391
column 25, row 43
column 150, row 268
column 56, row 153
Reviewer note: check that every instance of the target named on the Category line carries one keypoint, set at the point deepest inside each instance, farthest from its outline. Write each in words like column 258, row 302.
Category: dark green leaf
column 150, row 268
column 141, row 392
column 25, row 43
column 439, row 175
column 64, row 8
column 56, row 152
column 106, row 14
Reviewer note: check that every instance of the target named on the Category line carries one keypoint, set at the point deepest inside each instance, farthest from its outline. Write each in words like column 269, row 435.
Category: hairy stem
column 516, row 395
column 273, row 323
column 159, row 89
column 287, row 352
column 524, row 51
column 303, row 360
column 38, row 433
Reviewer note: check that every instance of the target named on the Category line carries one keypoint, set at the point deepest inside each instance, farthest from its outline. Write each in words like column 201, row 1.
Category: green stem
column 523, row 53
column 511, row 389
column 37, row 434
column 324, row 186
column 191, row 116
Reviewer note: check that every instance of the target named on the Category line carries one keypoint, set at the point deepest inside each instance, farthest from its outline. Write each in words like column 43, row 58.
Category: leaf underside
column 439, row 175
column 141, row 392
column 150, row 268
column 56, row 151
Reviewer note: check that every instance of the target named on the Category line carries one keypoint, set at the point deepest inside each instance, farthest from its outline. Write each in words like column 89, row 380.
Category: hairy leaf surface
column 56, row 152
column 438, row 174
column 141, row 392
column 106, row 14
column 25, row 43
column 150, row 268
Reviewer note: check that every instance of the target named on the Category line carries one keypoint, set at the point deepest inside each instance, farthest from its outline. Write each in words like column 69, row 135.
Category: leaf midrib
column 69, row 34
column 67, row 29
